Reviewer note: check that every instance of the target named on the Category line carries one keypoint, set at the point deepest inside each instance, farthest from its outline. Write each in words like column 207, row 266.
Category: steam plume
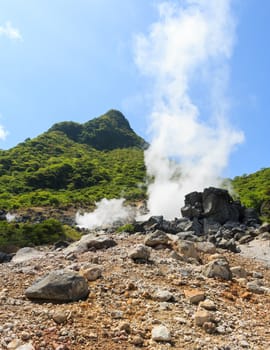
column 106, row 213
column 185, row 52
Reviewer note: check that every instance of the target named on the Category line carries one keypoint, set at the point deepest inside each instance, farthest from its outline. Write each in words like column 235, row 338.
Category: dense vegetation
column 15, row 235
column 254, row 191
column 107, row 132
column 74, row 164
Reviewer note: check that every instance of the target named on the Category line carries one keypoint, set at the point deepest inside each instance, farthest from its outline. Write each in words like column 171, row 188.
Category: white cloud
column 3, row 133
column 10, row 32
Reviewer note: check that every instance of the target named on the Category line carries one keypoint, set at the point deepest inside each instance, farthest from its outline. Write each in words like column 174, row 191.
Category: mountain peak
column 109, row 131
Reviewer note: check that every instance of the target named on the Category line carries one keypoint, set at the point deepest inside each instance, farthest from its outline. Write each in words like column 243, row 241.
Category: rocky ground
column 160, row 295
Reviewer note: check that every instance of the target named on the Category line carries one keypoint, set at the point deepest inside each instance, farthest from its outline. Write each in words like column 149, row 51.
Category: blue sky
column 74, row 60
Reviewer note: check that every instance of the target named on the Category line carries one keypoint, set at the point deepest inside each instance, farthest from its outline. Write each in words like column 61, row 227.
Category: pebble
column 60, row 317
column 28, row 346
column 254, row 287
column 208, row 305
column 91, row 273
column 136, row 340
column 194, row 296
column 202, row 316
column 161, row 333
column 162, row 295
column 25, row 336
column 14, row 344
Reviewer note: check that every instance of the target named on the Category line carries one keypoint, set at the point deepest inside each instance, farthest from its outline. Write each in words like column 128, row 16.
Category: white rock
column 162, row 295
column 91, row 273
column 27, row 253
column 161, row 333
column 28, row 346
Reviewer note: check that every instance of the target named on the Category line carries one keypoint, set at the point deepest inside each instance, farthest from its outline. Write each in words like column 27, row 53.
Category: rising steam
column 187, row 52
column 107, row 212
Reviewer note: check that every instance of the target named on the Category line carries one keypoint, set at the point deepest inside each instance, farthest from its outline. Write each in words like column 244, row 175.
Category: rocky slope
column 181, row 284
column 162, row 299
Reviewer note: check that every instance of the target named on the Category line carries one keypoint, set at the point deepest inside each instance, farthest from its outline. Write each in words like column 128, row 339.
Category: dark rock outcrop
column 211, row 215
column 214, row 207
column 4, row 257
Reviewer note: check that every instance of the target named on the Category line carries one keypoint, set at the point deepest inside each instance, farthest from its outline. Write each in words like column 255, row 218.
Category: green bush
column 25, row 234
column 126, row 228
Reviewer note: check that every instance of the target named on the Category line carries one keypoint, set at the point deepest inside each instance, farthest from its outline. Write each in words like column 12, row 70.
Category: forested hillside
column 74, row 164
column 254, row 191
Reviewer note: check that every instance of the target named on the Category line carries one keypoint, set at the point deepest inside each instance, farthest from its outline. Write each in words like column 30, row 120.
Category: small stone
column 208, row 305
column 163, row 295
column 246, row 239
column 217, row 256
column 60, row 317
column 257, row 274
column 221, row 329
column 206, row 247
column 265, row 227
column 187, row 249
column 136, row 340
column 117, row 314
column 28, row 346
column 218, row 269
column 254, row 287
column 14, row 344
column 238, row 272
column 124, row 326
column 244, row 344
column 161, row 333
column 92, row 273
column 140, row 252
column 194, row 296
column 209, row 327
column 202, row 316
column 156, row 238
column 265, row 236
column 25, row 336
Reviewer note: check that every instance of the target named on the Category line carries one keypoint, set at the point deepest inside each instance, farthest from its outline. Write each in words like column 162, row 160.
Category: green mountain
column 107, row 132
column 78, row 164
column 254, row 191
column 74, row 164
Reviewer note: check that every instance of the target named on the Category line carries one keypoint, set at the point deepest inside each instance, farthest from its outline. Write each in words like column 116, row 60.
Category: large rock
column 27, row 253
column 218, row 268
column 213, row 207
column 187, row 249
column 60, row 286
column 139, row 253
column 90, row 242
column 219, row 206
column 156, row 238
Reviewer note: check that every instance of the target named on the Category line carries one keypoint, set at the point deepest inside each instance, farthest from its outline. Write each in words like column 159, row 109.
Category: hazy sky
column 74, row 60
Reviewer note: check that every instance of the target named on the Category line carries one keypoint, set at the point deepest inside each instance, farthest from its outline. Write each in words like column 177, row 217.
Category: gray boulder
column 27, row 253
column 140, row 252
column 156, row 238
column 60, row 286
column 187, row 249
column 90, row 242
column 218, row 268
